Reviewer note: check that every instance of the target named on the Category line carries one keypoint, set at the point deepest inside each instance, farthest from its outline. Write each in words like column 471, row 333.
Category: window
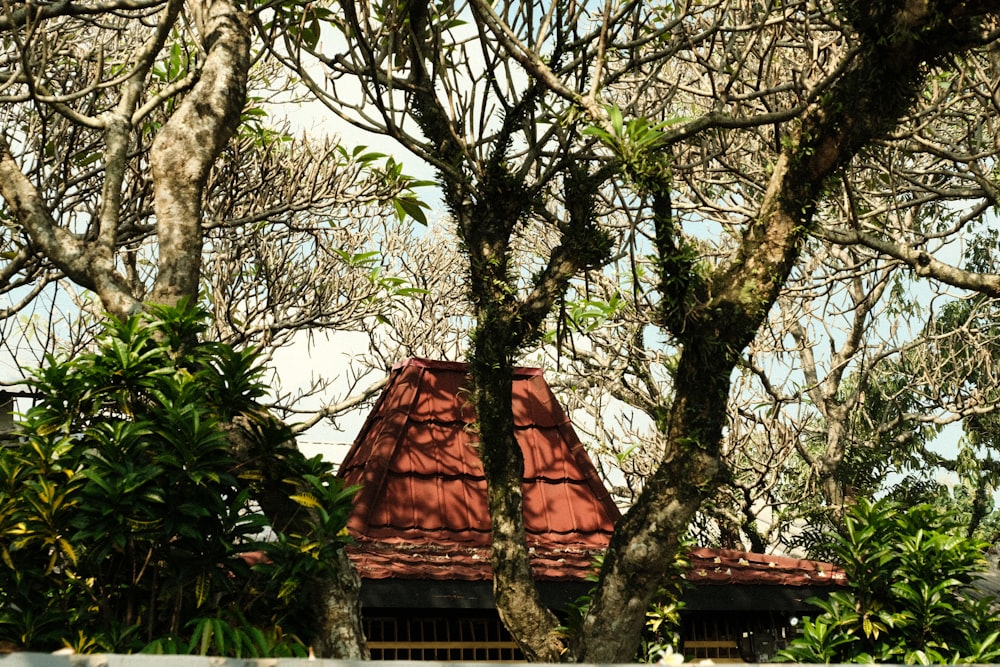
column 478, row 638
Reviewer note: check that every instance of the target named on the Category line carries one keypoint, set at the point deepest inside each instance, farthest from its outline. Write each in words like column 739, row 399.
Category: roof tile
column 724, row 566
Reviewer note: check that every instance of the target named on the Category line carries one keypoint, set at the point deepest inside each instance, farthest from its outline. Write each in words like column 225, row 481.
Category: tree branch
column 22, row 16
column 923, row 263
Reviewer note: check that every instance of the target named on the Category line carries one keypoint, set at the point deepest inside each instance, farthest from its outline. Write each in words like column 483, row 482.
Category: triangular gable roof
column 421, row 512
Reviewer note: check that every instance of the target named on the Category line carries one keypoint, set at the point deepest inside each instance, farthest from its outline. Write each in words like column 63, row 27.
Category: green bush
column 124, row 509
column 909, row 572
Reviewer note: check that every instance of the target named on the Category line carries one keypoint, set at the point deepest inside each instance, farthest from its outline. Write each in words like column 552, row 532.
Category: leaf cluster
column 909, row 573
column 641, row 147
column 125, row 515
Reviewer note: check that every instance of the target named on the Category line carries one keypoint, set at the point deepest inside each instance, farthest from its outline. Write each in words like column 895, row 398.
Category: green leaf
column 220, row 630
column 288, row 588
column 201, row 588
column 616, row 118
column 408, row 205
column 207, row 630
column 67, row 550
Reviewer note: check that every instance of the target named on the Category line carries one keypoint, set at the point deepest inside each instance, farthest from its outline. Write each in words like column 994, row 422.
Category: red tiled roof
column 421, row 512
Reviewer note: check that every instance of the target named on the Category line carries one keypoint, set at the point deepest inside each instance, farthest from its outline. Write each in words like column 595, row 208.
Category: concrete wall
column 141, row 660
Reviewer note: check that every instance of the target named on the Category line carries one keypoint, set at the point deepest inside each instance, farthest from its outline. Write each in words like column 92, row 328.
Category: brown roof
column 421, row 512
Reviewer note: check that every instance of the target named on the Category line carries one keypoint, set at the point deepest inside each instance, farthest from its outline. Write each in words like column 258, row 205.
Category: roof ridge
column 456, row 366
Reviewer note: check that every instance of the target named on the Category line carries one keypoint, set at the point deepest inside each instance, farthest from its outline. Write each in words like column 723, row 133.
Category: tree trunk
column 257, row 442
column 647, row 538
column 829, row 462
column 341, row 631
column 520, row 607
column 189, row 143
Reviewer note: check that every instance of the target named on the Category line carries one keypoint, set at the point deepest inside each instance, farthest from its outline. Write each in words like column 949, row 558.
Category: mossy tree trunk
column 489, row 201
column 714, row 318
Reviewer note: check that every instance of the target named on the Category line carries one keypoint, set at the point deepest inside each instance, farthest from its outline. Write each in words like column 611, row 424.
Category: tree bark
column 506, row 319
column 341, row 635
column 488, row 202
column 520, row 606
column 189, row 143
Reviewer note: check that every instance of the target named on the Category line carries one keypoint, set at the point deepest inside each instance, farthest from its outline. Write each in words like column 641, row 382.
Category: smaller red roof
column 724, row 566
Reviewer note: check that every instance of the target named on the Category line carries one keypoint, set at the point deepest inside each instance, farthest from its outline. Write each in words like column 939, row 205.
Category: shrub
column 124, row 511
column 909, row 572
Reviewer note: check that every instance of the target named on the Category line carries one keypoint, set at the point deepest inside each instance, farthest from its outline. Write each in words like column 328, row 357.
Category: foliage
column 661, row 634
column 126, row 520
column 909, row 572
column 638, row 144
column 228, row 633
column 806, row 125
column 663, row 621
